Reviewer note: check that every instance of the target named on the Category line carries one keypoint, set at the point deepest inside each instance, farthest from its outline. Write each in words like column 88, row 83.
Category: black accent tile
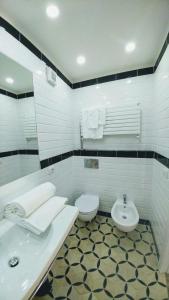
column 66, row 155
column 144, row 222
column 8, row 153
column 162, row 159
column 76, row 152
column 107, row 153
column 3, row 92
column 129, row 154
column 49, row 63
column 145, row 154
column 88, row 152
column 141, row 154
column 107, row 78
column 7, row 93
column 149, row 154
column 44, row 163
column 9, row 28
column 162, row 52
column 25, row 95
column 104, row 213
column 30, row 46
column 10, row 94
column 54, row 159
column 127, row 74
column 145, row 71
column 29, row 151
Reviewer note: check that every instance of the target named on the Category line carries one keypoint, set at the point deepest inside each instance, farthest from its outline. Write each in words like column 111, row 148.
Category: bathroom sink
column 32, row 254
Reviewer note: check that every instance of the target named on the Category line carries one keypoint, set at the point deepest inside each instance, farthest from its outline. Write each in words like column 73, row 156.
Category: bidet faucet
column 125, row 199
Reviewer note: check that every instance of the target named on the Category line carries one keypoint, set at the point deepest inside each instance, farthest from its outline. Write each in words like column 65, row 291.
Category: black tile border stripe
column 16, row 96
column 106, row 153
column 16, row 152
column 55, row 159
column 115, row 153
column 133, row 73
column 113, row 77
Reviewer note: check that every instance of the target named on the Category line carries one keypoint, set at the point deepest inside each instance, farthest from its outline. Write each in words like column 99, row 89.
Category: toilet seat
column 87, row 203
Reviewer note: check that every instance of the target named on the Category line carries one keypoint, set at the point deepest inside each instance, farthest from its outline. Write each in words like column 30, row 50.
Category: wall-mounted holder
column 91, row 163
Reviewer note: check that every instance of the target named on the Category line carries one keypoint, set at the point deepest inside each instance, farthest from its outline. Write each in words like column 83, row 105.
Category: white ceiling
column 23, row 80
column 99, row 29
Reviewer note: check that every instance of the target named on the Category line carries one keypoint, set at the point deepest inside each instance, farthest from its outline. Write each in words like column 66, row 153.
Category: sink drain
column 124, row 217
column 13, row 262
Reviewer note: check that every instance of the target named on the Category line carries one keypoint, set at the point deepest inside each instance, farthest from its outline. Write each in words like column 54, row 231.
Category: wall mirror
column 18, row 133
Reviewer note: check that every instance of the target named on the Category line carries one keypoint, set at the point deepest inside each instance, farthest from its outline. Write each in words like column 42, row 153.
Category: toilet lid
column 87, row 203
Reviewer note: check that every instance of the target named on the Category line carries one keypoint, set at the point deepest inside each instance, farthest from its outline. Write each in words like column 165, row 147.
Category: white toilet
column 88, row 206
column 125, row 215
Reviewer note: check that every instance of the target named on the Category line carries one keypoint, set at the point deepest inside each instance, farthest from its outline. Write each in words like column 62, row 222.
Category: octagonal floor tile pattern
column 98, row 262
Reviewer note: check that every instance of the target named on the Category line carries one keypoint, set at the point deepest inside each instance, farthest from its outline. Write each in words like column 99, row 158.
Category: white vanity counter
column 36, row 253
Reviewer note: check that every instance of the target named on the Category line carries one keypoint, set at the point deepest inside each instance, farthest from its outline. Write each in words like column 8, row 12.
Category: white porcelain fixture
column 88, row 206
column 35, row 253
column 125, row 216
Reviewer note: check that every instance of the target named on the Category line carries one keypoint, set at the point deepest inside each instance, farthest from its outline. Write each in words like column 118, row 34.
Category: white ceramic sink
column 35, row 254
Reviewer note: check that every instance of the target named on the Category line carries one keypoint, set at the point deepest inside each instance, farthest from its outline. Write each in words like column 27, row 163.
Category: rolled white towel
column 40, row 220
column 27, row 203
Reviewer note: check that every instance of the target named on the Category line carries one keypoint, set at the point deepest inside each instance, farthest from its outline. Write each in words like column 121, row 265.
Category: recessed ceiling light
column 9, row 80
column 130, row 47
column 52, row 11
column 81, row 60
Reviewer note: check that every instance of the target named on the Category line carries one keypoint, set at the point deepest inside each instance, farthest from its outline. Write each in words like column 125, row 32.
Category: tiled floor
column 98, row 262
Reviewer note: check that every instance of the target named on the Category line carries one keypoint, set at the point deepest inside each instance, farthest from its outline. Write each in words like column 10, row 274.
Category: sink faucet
column 124, row 199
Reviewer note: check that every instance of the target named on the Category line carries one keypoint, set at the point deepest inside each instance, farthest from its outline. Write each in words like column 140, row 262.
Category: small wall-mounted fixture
column 91, row 163
column 51, row 76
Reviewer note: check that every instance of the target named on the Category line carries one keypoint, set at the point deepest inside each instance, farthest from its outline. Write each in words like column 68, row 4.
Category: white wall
column 53, row 116
column 161, row 106
column 115, row 177
column 118, row 93
column 160, row 179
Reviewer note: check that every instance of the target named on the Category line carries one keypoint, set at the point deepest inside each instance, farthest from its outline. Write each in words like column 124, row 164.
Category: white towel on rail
column 39, row 221
column 27, row 203
column 91, row 118
column 92, row 123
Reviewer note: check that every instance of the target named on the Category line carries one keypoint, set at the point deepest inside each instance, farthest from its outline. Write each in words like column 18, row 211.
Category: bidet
column 125, row 215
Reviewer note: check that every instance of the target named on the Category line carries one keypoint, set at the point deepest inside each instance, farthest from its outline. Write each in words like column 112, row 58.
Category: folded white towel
column 27, row 203
column 40, row 220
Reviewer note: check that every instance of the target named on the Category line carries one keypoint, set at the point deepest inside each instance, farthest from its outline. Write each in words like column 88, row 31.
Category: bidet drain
column 124, row 217
column 13, row 262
